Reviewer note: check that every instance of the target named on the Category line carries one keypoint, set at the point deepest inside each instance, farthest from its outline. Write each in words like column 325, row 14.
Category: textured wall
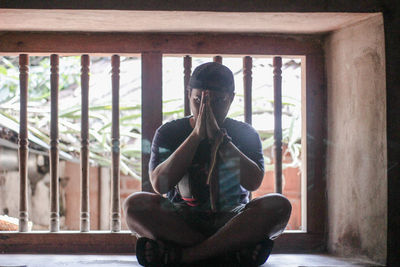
column 356, row 140
column 73, row 196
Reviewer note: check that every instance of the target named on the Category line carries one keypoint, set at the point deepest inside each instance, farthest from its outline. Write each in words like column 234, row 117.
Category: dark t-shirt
column 172, row 134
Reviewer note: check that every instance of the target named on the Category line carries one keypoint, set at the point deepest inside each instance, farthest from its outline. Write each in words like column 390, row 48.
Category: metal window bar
column 217, row 59
column 187, row 66
column 85, row 205
column 247, row 87
column 23, row 143
column 115, row 153
column 277, row 64
column 54, row 155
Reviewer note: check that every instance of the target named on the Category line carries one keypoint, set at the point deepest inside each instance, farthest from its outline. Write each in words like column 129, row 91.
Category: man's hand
column 200, row 126
column 213, row 129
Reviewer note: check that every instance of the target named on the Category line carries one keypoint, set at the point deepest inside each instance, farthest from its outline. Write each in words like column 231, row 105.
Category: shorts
column 204, row 221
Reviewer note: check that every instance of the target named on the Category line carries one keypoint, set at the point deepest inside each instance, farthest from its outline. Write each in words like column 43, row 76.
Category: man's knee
column 277, row 203
column 139, row 202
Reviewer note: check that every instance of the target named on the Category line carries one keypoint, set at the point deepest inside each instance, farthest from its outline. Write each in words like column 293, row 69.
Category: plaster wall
column 356, row 141
column 38, row 189
column 73, row 196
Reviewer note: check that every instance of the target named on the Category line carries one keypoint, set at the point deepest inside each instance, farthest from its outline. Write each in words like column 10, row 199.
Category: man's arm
column 168, row 173
column 250, row 173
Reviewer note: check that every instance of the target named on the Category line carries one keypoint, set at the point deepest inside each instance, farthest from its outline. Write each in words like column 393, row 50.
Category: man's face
column 220, row 103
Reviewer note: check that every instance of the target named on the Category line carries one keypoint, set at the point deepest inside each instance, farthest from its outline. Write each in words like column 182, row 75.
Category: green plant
column 130, row 112
column 69, row 113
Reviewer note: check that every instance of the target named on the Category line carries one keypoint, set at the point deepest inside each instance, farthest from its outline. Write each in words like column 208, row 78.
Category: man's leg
column 150, row 215
column 264, row 217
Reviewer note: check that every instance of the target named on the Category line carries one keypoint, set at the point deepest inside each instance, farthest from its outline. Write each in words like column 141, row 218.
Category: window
column 152, row 49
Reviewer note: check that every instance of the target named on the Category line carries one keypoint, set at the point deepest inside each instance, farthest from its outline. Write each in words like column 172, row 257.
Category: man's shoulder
column 238, row 126
column 178, row 124
column 174, row 131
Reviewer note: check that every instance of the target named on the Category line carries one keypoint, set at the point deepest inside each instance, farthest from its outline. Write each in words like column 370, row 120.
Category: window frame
column 152, row 46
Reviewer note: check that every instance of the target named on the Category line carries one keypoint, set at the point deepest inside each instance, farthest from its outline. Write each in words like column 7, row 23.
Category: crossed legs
column 148, row 215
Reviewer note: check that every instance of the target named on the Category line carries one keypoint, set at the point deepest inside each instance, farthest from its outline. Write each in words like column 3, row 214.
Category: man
column 206, row 164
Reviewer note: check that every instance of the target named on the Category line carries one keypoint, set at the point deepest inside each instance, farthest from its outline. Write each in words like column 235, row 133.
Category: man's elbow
column 156, row 183
column 254, row 183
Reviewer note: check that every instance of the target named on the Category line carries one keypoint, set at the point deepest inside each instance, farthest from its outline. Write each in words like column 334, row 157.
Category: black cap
column 212, row 76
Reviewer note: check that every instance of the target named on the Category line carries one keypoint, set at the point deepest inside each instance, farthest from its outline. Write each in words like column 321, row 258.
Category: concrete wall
column 356, row 141
column 72, row 194
column 38, row 189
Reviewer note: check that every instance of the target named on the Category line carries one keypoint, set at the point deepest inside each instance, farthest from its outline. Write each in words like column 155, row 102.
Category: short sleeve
column 160, row 149
column 247, row 140
column 253, row 149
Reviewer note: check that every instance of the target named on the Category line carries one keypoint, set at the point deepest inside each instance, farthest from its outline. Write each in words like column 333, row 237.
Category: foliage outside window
column 130, row 105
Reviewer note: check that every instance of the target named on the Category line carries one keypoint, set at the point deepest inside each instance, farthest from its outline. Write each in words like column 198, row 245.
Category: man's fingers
column 203, row 94
column 201, row 109
column 203, row 102
column 203, row 98
column 201, row 117
column 210, row 113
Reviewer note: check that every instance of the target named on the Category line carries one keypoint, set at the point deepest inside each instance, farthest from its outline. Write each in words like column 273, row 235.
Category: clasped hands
column 206, row 125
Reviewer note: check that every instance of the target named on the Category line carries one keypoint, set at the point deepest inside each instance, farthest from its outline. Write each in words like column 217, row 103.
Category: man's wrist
column 225, row 137
column 195, row 137
column 221, row 138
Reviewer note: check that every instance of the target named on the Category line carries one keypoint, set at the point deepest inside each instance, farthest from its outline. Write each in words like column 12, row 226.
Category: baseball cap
column 212, row 76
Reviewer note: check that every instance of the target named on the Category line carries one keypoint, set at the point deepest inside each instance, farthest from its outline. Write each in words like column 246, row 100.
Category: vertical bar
column 247, row 86
column 277, row 63
column 187, row 65
column 100, row 197
column 151, row 108
column 23, row 142
column 54, row 183
column 115, row 206
column 85, row 209
column 315, row 145
column 391, row 24
column 217, row 59
column 304, row 152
